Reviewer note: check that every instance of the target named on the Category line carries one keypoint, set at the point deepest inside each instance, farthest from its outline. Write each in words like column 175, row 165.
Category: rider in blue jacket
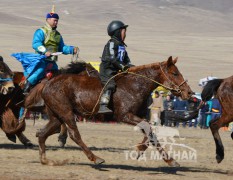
column 46, row 41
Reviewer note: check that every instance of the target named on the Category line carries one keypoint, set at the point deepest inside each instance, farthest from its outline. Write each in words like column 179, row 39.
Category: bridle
column 177, row 87
column 2, row 80
column 5, row 79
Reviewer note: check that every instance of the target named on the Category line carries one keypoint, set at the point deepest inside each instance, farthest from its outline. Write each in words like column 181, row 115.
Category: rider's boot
column 27, row 88
column 105, row 98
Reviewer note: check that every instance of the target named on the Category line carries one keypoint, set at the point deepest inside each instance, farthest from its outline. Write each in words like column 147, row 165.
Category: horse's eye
column 175, row 74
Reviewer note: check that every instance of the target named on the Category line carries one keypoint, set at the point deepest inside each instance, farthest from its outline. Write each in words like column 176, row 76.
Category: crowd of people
column 163, row 104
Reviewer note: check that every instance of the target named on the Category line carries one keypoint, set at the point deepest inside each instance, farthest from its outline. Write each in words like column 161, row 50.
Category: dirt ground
column 198, row 32
column 114, row 143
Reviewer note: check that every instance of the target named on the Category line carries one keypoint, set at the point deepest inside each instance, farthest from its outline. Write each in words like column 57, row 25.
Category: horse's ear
column 169, row 61
column 1, row 59
column 175, row 60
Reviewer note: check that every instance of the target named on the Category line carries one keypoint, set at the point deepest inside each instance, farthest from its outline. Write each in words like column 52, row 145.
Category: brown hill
column 199, row 32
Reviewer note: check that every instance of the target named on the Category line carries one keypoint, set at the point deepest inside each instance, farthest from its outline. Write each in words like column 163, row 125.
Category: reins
column 177, row 89
column 5, row 79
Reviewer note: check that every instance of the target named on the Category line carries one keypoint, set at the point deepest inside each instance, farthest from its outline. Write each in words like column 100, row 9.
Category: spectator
column 168, row 105
column 156, row 108
column 148, row 111
column 216, row 109
column 203, row 115
column 192, row 106
column 180, row 106
column 208, row 114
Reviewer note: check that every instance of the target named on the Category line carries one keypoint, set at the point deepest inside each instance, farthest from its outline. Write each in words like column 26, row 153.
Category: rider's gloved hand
column 48, row 54
column 76, row 50
column 125, row 68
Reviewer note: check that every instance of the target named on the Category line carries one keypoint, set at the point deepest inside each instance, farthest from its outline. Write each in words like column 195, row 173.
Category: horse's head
column 6, row 81
column 174, row 79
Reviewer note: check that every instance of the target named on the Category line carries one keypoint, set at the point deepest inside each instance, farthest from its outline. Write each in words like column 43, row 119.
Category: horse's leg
column 148, row 135
column 24, row 140
column 11, row 137
column 76, row 137
column 215, row 125
column 63, row 135
column 49, row 129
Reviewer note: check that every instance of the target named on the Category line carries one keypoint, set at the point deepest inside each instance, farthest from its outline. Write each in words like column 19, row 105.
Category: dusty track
column 111, row 141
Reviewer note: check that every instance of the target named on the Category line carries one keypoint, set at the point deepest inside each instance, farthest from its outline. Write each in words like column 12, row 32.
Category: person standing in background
column 168, row 105
column 156, row 109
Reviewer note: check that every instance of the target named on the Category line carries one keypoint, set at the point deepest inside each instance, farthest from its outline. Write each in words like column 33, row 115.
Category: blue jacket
column 180, row 104
column 216, row 105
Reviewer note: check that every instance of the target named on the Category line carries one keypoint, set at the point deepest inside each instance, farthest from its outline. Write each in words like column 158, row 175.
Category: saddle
column 33, row 99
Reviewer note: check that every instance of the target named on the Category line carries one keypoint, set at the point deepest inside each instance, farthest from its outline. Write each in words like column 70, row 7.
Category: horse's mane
column 77, row 67
column 210, row 89
column 141, row 67
column 73, row 68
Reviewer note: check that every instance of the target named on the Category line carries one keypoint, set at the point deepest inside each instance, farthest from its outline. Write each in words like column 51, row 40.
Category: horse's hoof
column 173, row 163
column 61, row 144
column 218, row 158
column 99, row 161
column 62, row 141
column 38, row 132
column 11, row 137
column 29, row 145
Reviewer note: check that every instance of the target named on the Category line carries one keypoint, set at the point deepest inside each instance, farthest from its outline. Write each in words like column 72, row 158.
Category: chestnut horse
column 223, row 90
column 12, row 102
column 69, row 95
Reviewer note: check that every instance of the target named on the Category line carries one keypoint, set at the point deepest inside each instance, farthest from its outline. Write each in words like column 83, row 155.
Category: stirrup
column 104, row 109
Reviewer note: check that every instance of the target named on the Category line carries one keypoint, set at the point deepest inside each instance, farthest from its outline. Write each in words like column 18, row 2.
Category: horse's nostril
column 191, row 93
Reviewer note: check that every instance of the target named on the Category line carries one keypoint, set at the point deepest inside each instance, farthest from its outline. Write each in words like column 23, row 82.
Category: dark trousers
column 105, row 75
column 203, row 120
column 166, row 120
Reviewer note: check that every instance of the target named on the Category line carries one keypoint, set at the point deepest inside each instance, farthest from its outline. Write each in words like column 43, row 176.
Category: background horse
column 78, row 95
column 6, row 75
column 9, row 111
column 223, row 90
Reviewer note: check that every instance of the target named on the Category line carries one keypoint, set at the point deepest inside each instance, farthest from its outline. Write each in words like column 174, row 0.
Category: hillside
column 198, row 32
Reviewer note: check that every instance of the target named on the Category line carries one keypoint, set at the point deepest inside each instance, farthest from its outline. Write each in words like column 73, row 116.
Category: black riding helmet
column 115, row 25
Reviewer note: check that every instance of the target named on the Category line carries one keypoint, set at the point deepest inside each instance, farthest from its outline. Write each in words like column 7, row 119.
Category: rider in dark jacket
column 115, row 58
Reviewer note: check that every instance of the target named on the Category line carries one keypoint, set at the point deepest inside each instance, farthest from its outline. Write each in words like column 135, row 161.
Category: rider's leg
column 105, row 75
column 35, row 76
column 105, row 98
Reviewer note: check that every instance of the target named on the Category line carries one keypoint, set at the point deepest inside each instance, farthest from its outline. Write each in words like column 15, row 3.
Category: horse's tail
column 10, row 123
column 210, row 89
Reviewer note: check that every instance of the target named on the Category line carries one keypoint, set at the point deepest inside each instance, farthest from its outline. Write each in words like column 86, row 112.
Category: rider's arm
column 64, row 48
column 113, row 51
column 127, row 60
column 37, row 42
